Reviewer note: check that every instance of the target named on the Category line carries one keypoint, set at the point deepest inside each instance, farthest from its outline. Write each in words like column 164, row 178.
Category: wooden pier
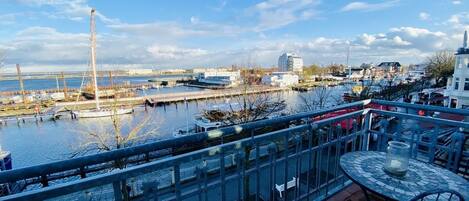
column 62, row 109
column 183, row 96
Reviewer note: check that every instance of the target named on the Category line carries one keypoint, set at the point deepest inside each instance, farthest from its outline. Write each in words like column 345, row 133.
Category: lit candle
column 395, row 164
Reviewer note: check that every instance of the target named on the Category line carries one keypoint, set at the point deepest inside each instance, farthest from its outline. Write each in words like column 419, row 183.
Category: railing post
column 240, row 161
column 383, row 138
column 82, row 172
column 415, row 137
column 366, row 131
column 298, row 146
column 455, row 150
column 150, row 190
column 433, row 142
column 44, row 181
column 177, row 181
column 272, row 153
column 117, row 191
column 222, row 174
column 399, row 129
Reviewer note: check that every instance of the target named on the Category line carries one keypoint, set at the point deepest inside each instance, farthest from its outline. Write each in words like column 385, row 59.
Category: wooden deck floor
column 353, row 193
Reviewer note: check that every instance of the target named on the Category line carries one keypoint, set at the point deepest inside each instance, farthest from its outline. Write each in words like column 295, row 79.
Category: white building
column 457, row 89
column 203, row 70
column 139, row 71
column 356, row 73
column 224, row 78
column 417, row 71
column 290, row 62
column 280, row 79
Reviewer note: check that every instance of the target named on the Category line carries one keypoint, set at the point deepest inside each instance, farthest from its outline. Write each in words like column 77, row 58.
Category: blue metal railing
column 304, row 159
column 78, row 166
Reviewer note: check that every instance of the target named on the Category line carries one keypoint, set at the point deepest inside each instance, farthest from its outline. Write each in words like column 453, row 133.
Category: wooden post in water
column 110, row 80
column 65, row 86
column 20, row 79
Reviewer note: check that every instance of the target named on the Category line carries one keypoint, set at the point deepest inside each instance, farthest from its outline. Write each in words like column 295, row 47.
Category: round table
column 365, row 168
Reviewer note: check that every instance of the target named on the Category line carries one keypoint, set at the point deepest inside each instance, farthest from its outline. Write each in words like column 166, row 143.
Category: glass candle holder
column 397, row 158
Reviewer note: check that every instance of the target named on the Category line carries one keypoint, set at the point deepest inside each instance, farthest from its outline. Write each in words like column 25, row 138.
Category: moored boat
column 96, row 113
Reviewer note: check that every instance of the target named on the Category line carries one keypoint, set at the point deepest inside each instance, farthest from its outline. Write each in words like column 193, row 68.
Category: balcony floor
column 353, row 193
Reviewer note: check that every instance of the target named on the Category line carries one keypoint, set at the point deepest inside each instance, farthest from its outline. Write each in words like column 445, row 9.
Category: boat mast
column 348, row 66
column 93, row 57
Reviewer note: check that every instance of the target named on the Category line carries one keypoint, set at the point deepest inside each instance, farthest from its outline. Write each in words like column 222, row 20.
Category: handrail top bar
column 422, row 107
column 423, row 118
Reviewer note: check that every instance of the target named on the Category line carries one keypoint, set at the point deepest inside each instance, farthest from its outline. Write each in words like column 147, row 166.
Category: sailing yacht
column 98, row 111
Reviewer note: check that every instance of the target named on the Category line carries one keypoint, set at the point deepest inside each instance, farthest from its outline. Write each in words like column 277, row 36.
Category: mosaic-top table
column 366, row 169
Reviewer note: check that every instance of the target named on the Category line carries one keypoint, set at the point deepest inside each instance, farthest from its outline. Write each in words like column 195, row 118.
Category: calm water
column 32, row 143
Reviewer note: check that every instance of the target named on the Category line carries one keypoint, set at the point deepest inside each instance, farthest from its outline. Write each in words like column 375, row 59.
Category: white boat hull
column 101, row 113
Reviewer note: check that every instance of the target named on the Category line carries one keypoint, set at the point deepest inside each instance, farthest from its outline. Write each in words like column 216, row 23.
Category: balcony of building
column 293, row 157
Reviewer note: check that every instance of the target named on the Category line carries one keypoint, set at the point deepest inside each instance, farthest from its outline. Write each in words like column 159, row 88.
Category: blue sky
column 53, row 35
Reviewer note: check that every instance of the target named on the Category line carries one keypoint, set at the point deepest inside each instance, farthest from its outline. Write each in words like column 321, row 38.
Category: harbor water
column 35, row 143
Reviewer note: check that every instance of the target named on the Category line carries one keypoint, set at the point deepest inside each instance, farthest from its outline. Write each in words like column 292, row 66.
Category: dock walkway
column 53, row 113
column 184, row 96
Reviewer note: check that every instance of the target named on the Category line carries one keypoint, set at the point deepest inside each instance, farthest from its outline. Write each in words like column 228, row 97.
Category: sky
column 53, row 35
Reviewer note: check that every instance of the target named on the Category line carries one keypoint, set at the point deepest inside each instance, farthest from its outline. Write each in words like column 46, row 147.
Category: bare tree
column 321, row 98
column 116, row 133
column 441, row 66
column 247, row 108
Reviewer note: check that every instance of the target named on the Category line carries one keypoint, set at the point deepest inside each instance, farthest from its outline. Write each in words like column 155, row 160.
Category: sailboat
column 98, row 111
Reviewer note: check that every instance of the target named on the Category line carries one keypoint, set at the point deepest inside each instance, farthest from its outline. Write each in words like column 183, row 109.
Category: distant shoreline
column 79, row 75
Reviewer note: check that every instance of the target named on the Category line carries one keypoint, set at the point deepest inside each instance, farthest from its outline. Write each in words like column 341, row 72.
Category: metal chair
column 439, row 194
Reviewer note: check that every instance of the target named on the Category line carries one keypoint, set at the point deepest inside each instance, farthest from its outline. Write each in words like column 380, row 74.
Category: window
column 456, row 83
column 466, row 84
column 453, row 103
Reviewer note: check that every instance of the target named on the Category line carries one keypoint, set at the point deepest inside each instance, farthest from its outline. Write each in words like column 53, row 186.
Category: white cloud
column 404, row 44
column 163, row 43
column 456, row 2
column 8, row 19
column 43, row 46
column 173, row 31
column 274, row 14
column 459, row 21
column 194, row 20
column 424, row 16
column 75, row 10
column 174, row 52
column 363, row 6
column 221, row 6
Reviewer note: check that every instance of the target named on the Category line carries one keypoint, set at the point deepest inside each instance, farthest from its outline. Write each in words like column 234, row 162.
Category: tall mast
column 464, row 44
column 20, row 79
column 65, row 86
column 93, row 57
column 348, row 66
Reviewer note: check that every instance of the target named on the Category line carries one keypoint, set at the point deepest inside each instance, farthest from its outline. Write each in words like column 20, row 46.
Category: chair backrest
column 439, row 194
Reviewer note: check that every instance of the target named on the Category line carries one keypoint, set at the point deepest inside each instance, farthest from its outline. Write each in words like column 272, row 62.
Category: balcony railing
column 290, row 158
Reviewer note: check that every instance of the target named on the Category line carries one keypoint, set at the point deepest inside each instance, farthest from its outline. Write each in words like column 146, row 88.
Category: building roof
column 388, row 64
